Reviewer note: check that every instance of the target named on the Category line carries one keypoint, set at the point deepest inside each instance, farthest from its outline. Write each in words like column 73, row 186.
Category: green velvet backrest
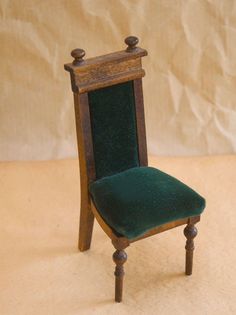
column 113, row 124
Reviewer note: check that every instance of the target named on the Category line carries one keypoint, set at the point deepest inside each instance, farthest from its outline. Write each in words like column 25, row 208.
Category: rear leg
column 86, row 224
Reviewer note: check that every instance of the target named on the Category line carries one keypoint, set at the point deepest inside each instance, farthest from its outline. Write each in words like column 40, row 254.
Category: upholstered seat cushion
column 141, row 198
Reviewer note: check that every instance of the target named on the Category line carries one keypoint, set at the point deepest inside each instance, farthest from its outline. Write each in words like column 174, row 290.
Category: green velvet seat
column 141, row 198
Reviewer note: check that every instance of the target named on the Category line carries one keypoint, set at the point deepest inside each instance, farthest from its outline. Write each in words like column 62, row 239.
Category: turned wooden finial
column 78, row 55
column 131, row 41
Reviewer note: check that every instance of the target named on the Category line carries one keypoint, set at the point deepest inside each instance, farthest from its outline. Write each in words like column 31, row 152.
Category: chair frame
column 88, row 75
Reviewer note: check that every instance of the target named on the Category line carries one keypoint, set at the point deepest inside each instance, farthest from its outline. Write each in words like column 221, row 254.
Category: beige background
column 190, row 87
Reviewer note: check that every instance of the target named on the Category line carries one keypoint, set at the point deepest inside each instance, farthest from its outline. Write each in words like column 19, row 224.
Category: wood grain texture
column 140, row 121
column 119, row 258
column 87, row 170
column 107, row 70
column 190, row 233
column 166, row 227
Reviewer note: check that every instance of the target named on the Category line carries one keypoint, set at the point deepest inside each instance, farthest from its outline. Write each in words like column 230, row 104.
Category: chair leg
column 85, row 227
column 119, row 258
column 190, row 233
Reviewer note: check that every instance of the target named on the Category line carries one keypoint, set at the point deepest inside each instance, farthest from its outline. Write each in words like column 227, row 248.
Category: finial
column 131, row 41
column 78, row 55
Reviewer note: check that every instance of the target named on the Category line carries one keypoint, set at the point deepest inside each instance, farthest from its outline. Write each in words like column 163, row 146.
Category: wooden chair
column 130, row 200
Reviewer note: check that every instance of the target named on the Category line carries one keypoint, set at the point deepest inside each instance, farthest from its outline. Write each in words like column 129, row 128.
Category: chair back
column 109, row 110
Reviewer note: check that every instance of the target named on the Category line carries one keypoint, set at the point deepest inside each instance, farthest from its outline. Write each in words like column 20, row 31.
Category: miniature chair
column 130, row 200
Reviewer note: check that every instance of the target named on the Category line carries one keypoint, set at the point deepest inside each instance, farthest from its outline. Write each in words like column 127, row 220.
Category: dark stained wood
column 190, row 233
column 166, row 227
column 93, row 62
column 78, row 54
column 88, row 75
column 87, row 170
column 140, row 120
column 99, row 72
column 119, row 258
column 85, row 123
column 106, row 228
column 132, row 42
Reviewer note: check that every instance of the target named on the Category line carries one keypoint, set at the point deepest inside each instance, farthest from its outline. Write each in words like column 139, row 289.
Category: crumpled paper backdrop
column 189, row 88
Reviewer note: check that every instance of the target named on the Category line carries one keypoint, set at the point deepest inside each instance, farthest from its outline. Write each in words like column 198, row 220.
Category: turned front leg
column 119, row 258
column 190, row 233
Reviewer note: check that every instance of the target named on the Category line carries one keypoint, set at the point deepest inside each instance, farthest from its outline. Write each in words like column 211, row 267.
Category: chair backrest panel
column 113, row 128
column 109, row 111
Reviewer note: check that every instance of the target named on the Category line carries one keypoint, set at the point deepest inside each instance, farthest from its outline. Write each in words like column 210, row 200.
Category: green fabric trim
column 113, row 124
column 141, row 198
